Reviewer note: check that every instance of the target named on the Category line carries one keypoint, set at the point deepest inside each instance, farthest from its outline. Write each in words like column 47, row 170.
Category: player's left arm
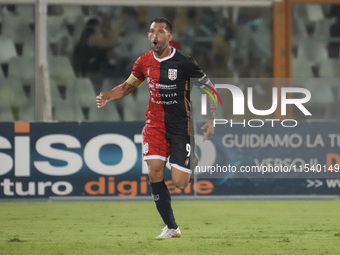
column 195, row 71
column 118, row 92
column 208, row 128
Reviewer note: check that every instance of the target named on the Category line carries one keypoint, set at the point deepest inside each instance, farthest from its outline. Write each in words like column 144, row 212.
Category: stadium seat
column 65, row 106
column 12, row 92
column 12, row 97
column 1, row 73
column 56, row 28
column 60, row 69
column 57, row 34
column 81, row 90
column 314, row 12
column 71, row 13
column 329, row 68
column 142, row 93
column 23, row 69
column 25, row 10
column 28, row 48
column 7, row 49
column 132, row 108
column 107, row 113
column 312, row 50
column 17, row 28
column 301, row 68
column 6, row 114
column 56, row 95
column 130, row 115
column 26, row 112
column 300, row 11
column 109, row 83
column 66, row 111
column 322, row 29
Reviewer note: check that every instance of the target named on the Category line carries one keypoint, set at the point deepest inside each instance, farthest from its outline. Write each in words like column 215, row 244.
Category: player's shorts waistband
column 165, row 159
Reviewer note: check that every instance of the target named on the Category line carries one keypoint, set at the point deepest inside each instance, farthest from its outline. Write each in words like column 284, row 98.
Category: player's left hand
column 209, row 130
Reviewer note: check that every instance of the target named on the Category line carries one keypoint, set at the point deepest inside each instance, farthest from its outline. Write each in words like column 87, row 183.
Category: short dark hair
column 163, row 20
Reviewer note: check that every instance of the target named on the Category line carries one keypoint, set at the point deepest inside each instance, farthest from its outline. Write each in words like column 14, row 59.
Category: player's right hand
column 101, row 100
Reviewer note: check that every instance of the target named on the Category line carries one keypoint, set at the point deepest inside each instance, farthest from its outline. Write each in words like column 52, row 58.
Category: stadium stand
column 236, row 36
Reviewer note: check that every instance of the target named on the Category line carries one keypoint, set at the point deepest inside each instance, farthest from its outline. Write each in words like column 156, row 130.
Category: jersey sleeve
column 194, row 71
column 137, row 69
column 136, row 77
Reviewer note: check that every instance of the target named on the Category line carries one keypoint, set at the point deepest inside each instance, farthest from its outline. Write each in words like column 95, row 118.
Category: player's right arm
column 118, row 92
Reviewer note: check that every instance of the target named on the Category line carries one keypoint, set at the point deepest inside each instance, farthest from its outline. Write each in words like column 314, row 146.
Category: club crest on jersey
column 172, row 74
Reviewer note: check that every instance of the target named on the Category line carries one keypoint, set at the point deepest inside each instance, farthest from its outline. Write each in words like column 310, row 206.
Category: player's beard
column 159, row 48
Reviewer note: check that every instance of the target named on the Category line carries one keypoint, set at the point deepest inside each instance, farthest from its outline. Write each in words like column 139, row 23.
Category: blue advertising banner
column 39, row 160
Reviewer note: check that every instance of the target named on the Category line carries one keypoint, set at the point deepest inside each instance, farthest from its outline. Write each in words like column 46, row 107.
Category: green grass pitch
column 208, row 227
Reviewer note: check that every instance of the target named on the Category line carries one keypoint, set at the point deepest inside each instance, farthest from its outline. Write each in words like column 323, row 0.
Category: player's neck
column 166, row 52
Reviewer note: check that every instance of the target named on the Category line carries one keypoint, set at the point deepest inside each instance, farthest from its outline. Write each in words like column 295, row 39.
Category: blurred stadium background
column 233, row 39
column 41, row 93
column 55, row 145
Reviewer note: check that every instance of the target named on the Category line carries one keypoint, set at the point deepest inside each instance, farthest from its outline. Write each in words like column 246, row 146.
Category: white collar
column 165, row 58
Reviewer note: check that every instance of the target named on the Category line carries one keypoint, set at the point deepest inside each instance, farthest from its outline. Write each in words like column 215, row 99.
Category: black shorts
column 169, row 141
